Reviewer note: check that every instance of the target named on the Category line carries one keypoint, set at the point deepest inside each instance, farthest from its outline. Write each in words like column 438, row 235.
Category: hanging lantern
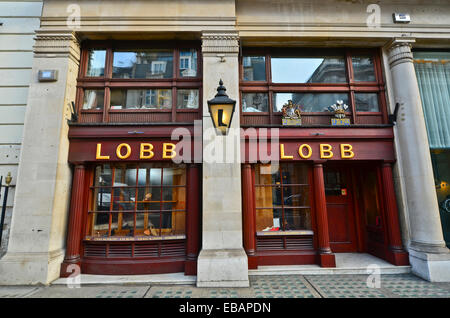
column 221, row 108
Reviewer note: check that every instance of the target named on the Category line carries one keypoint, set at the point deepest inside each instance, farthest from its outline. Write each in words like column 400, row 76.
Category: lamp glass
column 221, row 115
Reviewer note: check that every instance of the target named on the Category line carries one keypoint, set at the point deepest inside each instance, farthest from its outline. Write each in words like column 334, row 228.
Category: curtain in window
column 433, row 76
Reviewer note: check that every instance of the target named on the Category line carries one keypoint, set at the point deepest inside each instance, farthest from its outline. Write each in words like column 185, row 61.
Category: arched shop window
column 135, row 82
column 314, row 79
column 137, row 201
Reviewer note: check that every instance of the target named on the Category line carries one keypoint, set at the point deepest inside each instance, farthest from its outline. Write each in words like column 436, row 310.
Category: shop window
column 255, row 102
column 159, row 82
column 313, row 79
column 188, row 63
column 366, row 102
column 93, row 99
column 138, row 202
column 254, row 68
column 329, row 69
column 363, row 69
column 96, row 63
column 187, row 99
column 141, row 99
column 433, row 77
column 309, row 102
column 441, row 168
column 143, row 64
column 282, row 196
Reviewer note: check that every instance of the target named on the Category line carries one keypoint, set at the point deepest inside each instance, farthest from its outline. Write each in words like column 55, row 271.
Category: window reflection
column 141, row 99
column 96, row 63
column 143, row 64
column 366, row 102
column 187, row 99
column 94, row 99
column 188, row 63
column 309, row 102
column 254, row 68
column 255, row 102
column 363, row 69
column 329, row 69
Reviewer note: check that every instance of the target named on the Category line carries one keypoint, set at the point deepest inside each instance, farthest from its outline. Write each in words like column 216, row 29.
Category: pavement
column 267, row 286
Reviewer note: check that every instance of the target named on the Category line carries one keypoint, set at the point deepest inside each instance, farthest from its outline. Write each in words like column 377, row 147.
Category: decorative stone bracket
column 57, row 46
column 220, row 43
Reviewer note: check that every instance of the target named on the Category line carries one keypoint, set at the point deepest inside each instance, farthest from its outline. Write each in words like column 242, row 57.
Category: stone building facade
column 79, row 202
column 19, row 20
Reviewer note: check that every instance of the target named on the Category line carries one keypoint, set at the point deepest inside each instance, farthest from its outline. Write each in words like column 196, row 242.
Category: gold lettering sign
column 301, row 153
column 146, row 151
column 346, row 151
column 325, row 151
column 98, row 154
column 119, row 151
column 282, row 155
column 169, row 151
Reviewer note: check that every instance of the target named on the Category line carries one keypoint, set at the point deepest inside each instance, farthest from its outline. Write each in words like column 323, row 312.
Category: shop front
column 331, row 191
column 133, row 210
column 136, row 192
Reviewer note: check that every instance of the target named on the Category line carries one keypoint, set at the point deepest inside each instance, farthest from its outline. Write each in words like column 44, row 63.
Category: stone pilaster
column 39, row 220
column 222, row 261
column 429, row 257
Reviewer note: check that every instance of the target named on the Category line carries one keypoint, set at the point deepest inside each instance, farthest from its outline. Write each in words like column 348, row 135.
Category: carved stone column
column 39, row 220
column 222, row 260
column 429, row 257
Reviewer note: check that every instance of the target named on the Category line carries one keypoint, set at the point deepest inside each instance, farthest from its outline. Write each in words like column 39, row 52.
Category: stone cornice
column 220, row 42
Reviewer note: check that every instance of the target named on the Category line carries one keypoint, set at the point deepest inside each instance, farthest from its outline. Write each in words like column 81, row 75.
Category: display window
column 313, row 79
column 282, row 197
column 124, row 82
column 137, row 201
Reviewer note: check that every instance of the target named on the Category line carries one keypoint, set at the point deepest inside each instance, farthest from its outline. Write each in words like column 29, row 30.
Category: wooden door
column 341, row 218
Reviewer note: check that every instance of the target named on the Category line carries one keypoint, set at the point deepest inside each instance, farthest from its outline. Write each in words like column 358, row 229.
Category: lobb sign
column 251, row 152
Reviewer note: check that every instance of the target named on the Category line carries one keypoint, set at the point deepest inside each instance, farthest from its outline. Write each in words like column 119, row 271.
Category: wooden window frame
column 283, row 206
column 350, row 87
column 107, row 82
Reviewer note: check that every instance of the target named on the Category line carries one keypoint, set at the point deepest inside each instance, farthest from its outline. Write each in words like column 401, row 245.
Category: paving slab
column 274, row 286
column 17, row 291
column 102, row 291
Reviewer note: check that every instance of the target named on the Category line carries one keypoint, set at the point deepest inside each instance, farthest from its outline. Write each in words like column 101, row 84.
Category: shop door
column 341, row 219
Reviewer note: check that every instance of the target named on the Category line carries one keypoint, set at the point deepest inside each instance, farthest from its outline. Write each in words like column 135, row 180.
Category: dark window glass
column 309, row 102
column 152, row 64
column 363, row 69
column 366, row 102
column 330, row 69
column 254, row 68
column 255, row 102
